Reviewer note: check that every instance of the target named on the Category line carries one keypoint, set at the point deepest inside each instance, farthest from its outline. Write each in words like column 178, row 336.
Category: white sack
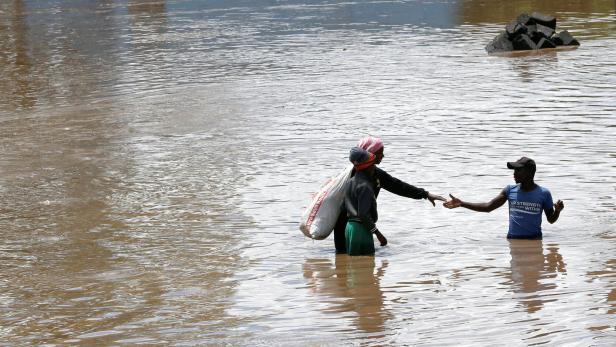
column 319, row 218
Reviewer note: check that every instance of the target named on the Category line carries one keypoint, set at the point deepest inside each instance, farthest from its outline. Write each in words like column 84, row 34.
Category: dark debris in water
column 530, row 32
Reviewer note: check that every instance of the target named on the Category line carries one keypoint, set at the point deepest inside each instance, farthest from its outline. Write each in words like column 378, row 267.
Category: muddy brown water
column 156, row 156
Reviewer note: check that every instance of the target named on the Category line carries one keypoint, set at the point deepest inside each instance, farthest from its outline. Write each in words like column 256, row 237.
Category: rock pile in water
column 529, row 32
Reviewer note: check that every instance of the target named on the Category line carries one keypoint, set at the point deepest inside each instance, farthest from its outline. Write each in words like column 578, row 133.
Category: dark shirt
column 396, row 186
column 360, row 200
column 361, row 194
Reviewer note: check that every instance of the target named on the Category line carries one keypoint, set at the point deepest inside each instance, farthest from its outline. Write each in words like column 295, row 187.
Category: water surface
column 156, row 157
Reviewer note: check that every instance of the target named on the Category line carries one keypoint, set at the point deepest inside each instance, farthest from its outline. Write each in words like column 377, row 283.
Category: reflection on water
column 155, row 157
column 531, row 65
column 533, row 272
column 352, row 285
column 608, row 274
column 611, row 298
column 16, row 89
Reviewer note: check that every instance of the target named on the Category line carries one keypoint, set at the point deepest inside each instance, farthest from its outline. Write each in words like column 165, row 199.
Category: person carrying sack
column 379, row 179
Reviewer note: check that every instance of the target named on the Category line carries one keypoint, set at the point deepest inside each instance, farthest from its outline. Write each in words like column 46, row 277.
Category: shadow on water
column 352, row 287
column 531, row 66
column 533, row 272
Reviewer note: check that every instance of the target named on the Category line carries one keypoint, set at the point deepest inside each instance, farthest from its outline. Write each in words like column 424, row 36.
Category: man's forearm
column 554, row 217
column 477, row 206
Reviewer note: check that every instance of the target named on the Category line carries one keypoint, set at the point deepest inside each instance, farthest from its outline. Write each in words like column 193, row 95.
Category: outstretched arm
column 553, row 214
column 495, row 203
column 398, row 187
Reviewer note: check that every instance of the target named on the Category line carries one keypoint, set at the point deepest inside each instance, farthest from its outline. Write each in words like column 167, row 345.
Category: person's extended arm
column 398, row 187
column 553, row 214
column 490, row 206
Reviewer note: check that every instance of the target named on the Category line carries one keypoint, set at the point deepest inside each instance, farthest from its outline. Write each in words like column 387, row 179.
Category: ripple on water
column 151, row 183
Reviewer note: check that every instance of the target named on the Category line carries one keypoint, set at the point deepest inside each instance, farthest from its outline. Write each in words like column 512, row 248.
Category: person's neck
column 528, row 186
column 369, row 171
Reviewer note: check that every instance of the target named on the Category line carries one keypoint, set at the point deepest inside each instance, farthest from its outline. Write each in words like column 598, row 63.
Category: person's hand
column 559, row 205
column 453, row 203
column 432, row 198
column 381, row 237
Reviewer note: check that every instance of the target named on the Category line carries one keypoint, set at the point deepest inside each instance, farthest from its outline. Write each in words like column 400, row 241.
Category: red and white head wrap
column 370, row 144
column 361, row 158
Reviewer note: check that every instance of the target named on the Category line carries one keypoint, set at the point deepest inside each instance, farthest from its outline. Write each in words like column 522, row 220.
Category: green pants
column 358, row 239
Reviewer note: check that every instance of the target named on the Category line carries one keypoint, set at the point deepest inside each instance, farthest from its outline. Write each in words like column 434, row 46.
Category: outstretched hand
column 453, row 203
column 432, row 198
column 559, row 205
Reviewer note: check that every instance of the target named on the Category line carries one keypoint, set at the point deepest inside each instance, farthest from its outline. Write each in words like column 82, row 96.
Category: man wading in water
column 359, row 210
column 526, row 201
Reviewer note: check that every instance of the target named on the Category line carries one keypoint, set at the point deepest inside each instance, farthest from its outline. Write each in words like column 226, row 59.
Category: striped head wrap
column 370, row 144
column 361, row 158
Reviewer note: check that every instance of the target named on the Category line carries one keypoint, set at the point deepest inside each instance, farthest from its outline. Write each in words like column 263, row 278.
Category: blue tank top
column 525, row 209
